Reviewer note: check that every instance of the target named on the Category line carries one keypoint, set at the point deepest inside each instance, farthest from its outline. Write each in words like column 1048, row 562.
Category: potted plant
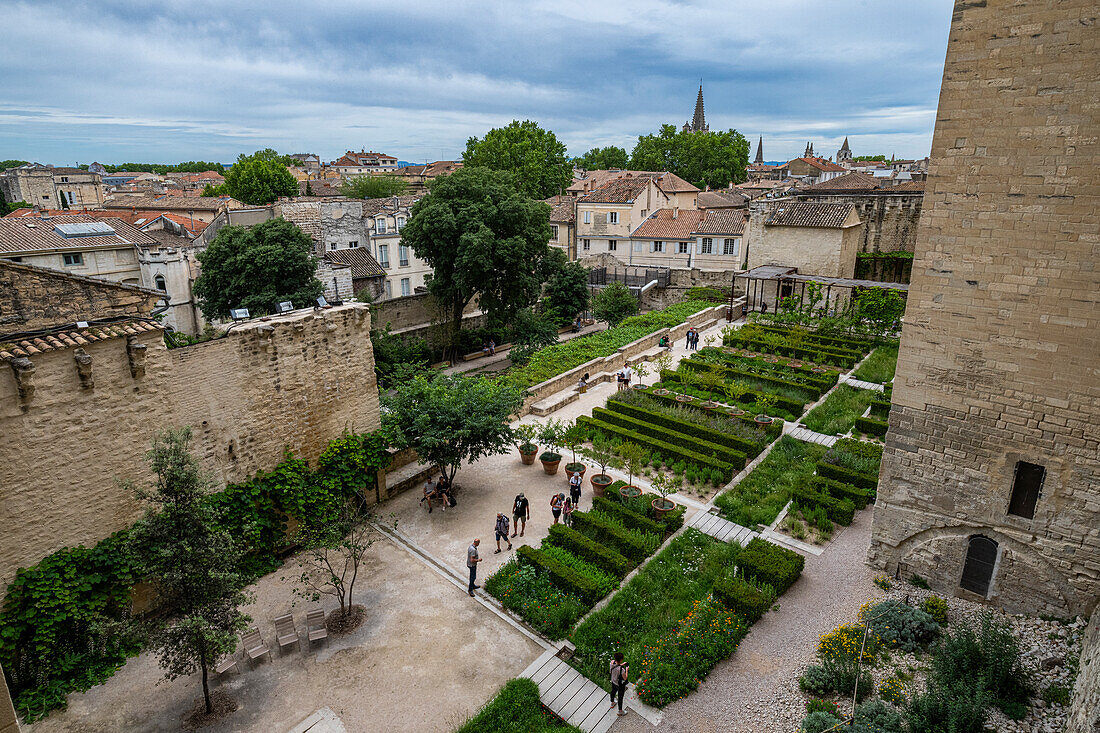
column 550, row 435
column 526, row 445
column 663, row 485
column 572, row 436
column 712, row 381
column 763, row 402
column 634, row 457
column 603, row 453
column 663, row 362
column 641, row 370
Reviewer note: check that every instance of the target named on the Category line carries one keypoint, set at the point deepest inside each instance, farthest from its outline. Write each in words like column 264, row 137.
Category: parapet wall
column 294, row 381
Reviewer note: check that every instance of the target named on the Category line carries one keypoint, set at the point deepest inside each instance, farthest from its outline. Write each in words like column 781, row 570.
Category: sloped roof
column 169, row 203
column 385, row 205
column 618, row 191
column 562, row 210
column 821, row 164
column 672, row 183
column 722, row 199
column 360, row 261
column 853, row 181
column 307, row 218
column 805, row 214
column 70, row 338
column 725, row 222
column 909, row 187
column 23, row 235
column 669, row 224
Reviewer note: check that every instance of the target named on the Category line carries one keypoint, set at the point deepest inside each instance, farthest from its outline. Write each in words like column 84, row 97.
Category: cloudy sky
column 129, row 80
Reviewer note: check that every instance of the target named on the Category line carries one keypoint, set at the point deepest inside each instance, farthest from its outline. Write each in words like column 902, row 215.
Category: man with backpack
column 521, row 512
column 502, row 531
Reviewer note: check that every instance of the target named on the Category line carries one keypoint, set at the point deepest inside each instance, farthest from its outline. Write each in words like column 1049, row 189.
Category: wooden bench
column 478, row 354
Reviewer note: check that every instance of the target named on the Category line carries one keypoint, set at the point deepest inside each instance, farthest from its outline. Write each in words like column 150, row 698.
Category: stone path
column 570, row 695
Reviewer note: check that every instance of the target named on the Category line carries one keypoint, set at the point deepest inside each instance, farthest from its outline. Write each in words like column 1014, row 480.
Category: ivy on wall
column 64, row 622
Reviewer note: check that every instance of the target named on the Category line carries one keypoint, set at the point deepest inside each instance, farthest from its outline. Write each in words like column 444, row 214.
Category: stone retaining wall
column 1084, row 710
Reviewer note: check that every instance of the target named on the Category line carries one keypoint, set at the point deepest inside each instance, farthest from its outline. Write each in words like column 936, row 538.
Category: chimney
column 675, row 212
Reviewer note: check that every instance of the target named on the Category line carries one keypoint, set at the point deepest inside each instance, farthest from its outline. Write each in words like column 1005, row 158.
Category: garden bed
column 838, row 414
column 879, row 366
column 516, row 709
column 759, row 497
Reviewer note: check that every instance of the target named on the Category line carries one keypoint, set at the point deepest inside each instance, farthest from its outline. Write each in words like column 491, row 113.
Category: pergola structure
column 789, row 282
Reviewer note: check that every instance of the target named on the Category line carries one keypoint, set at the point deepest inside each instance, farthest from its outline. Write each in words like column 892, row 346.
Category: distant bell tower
column 809, row 150
column 844, row 155
column 698, row 121
column 759, row 152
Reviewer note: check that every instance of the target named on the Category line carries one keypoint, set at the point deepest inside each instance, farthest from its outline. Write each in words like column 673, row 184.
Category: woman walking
column 556, row 502
column 620, row 673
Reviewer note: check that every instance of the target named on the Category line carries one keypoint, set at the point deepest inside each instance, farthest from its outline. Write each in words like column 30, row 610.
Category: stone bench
column 478, row 354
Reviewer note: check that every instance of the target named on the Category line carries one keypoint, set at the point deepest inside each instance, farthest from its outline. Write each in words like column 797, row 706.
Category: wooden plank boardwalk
column 809, row 436
column 570, row 695
column 721, row 529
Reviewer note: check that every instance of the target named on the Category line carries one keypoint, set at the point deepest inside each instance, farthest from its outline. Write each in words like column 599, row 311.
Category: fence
column 632, row 277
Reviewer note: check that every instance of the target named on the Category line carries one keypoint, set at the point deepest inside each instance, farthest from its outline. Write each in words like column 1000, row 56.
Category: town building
column 698, row 122
column 54, row 188
column 419, row 176
column 363, row 163
column 608, row 215
column 200, row 208
column 817, row 239
column 888, row 211
column 80, row 244
column 384, row 218
column 689, row 239
column 759, row 159
column 844, row 155
column 563, row 224
column 811, row 169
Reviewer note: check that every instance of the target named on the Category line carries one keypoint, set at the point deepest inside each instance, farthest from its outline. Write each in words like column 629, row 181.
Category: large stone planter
column 527, row 455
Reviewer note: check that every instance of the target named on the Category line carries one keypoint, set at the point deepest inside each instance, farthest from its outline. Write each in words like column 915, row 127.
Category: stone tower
column 990, row 483
column 698, row 121
column 759, row 152
column 809, row 153
column 844, row 155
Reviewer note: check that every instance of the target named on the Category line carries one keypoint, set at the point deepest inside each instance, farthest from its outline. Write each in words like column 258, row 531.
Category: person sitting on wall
column 492, row 347
column 485, row 348
column 663, row 343
column 577, row 325
column 582, row 384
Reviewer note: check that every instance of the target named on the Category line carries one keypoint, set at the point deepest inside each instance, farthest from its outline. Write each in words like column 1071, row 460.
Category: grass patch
column 879, row 366
column 838, row 413
column 516, row 709
column 760, row 496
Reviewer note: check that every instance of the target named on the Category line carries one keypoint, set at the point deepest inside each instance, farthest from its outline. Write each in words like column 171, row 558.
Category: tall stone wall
column 999, row 352
column 889, row 221
column 295, row 381
column 1084, row 711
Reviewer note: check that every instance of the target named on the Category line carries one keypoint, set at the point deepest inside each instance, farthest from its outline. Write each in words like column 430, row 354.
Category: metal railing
column 632, row 277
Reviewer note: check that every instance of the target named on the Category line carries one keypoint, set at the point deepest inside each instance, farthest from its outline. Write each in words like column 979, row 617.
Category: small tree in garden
column 764, row 402
column 688, row 377
column 526, row 435
column 735, row 391
column 713, row 381
column 664, row 485
column 573, row 435
column 191, row 562
column 551, row 434
column 641, row 371
column 710, row 340
column 335, row 550
column 635, row 457
column 614, row 303
column 603, row 453
column 663, row 362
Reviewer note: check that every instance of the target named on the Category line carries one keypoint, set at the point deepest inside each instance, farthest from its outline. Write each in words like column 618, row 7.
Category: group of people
column 489, row 348
column 623, row 377
column 692, row 339
column 441, row 491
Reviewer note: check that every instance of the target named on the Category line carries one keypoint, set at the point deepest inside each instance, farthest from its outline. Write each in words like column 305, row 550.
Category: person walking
column 502, row 531
column 620, row 672
column 555, row 506
column 567, row 508
column 687, row 340
column 472, row 559
column 521, row 512
column 575, row 489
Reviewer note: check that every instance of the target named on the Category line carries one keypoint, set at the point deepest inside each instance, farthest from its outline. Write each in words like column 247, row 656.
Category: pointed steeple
column 698, row 120
column 759, row 152
column 845, row 153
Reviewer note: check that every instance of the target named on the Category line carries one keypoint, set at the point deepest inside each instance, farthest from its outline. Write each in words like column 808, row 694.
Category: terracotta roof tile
column 68, row 338
column 804, row 214
column 821, row 164
column 359, row 259
column 618, row 191
column 669, row 224
column 21, row 235
column 725, row 222
column 853, row 181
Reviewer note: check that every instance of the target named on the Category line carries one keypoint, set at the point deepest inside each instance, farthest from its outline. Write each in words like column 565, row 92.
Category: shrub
column 606, row 582
column 627, row 516
column 957, row 708
column 787, row 403
column 562, row 576
column 879, row 717
column 707, row 428
column 840, row 491
column 515, row 709
column 1055, row 694
column 855, row 455
column 884, row 582
column 767, row 563
column 847, row 476
column 841, row 511
column 602, row 529
column 817, row 705
column 816, row 680
column 606, row 559
column 843, row 652
column 667, row 450
column 935, row 607
column 871, row 426
column 743, row 598
column 880, row 409
column 900, row 626
column 918, row 582
column 671, row 436
column 759, row 497
column 892, row 690
column 531, row 594
column 819, row 722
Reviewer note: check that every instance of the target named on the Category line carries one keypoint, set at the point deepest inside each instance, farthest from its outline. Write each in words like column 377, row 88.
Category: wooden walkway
column 721, row 529
column 808, row 436
column 860, row 384
column 570, row 695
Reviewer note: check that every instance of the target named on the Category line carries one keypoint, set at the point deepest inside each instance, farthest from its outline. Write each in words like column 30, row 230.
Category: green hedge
column 871, row 427
column 859, row 497
column 562, row 576
column 772, row 429
column 671, row 521
column 812, row 391
column 880, row 409
column 784, row 403
column 603, row 557
column 667, row 450
column 628, row 517
column 846, row 359
column 847, row 476
column 841, row 511
column 825, row 380
column 767, row 563
column 738, row 444
column 670, row 435
column 850, row 343
column 742, row 597
column 608, row 534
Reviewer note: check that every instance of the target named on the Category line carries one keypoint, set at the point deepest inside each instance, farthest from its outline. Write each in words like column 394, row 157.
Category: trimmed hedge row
column 666, row 449
column 610, row 535
column 562, row 576
column 671, row 521
column 859, row 497
column 741, row 597
column 603, row 557
column 767, row 563
column 815, row 338
column 841, row 511
column 880, row 409
column 773, row 429
column 741, row 445
column 871, row 427
column 784, row 403
column 826, row 380
column 846, row 359
column 846, row 475
column 813, row 391
column 629, row 518
column 703, row 447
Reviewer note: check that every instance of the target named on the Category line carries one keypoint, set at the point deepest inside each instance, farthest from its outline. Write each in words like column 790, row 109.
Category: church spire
column 845, row 152
column 698, row 121
column 759, row 152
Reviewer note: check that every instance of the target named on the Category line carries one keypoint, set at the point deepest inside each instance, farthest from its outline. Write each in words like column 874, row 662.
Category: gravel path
column 756, row 690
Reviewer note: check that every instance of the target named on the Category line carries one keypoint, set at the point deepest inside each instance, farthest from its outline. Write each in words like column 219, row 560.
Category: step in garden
column 555, row 401
column 570, row 695
column 722, row 529
column 860, row 384
column 809, row 436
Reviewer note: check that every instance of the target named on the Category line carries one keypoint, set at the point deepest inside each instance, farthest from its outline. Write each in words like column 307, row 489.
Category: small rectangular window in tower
column 1027, row 485
column 613, row 217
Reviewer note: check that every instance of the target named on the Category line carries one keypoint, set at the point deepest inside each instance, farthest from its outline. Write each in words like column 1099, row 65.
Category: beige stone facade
column 52, row 188
column 827, row 248
column 295, row 381
column 990, row 484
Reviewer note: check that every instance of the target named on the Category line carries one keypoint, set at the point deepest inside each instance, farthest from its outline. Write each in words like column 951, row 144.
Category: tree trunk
column 206, row 685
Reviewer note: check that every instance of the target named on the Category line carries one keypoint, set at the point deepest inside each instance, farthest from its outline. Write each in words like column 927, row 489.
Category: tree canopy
column 534, row 157
column 875, row 158
column 191, row 166
column 256, row 268
column 712, row 159
column 602, row 159
column 566, row 292
column 260, row 178
column 373, row 187
column 482, row 238
column 614, row 303
column 451, row 419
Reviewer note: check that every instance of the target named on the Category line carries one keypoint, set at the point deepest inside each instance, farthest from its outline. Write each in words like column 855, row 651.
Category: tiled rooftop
column 69, row 338
column 804, row 214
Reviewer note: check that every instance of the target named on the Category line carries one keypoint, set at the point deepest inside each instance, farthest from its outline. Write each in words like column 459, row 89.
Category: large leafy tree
column 373, row 187
column 453, row 419
column 603, row 158
column 534, row 157
column 260, row 178
column 482, row 238
column 712, row 159
column 256, row 268
column 566, row 292
column 614, row 303
column 191, row 561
